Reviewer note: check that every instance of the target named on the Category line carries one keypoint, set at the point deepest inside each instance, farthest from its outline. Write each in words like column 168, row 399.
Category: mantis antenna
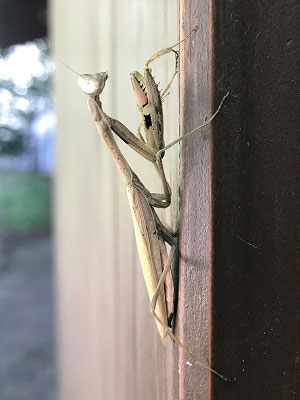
column 71, row 69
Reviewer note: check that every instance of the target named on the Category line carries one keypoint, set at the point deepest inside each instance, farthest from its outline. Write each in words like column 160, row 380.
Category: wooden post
column 240, row 199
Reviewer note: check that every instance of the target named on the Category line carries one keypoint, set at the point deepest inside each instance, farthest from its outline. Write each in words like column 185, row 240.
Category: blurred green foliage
column 15, row 122
column 25, row 200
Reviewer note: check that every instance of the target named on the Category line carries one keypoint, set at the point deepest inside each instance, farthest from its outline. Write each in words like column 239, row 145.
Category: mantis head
column 92, row 85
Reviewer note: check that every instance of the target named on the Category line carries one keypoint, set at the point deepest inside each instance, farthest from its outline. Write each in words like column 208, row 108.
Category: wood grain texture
column 256, row 200
column 195, row 210
column 240, row 200
column 108, row 344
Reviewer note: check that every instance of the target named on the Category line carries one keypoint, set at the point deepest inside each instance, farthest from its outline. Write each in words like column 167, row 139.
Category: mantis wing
column 152, row 252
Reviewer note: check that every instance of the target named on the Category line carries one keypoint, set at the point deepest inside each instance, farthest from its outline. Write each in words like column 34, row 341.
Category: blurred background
column 27, row 129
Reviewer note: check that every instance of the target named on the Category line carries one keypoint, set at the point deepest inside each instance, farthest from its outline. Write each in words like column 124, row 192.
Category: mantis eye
column 92, row 84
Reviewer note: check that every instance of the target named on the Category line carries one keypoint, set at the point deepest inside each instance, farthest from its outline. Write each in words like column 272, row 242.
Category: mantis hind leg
column 160, row 152
column 160, row 53
column 164, row 51
column 180, row 344
column 160, row 286
column 167, row 50
column 169, row 238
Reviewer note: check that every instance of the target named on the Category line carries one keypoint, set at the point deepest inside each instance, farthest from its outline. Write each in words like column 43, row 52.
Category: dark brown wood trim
column 256, row 199
column 253, row 193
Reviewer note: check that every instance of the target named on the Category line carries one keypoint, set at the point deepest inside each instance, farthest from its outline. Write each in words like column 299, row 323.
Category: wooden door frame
column 240, row 198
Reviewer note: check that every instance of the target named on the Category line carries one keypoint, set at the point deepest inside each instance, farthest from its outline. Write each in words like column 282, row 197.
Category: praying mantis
column 151, row 235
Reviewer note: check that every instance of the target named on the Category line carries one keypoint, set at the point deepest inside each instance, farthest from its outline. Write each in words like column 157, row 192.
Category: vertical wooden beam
column 240, row 199
column 256, row 195
column 194, row 307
